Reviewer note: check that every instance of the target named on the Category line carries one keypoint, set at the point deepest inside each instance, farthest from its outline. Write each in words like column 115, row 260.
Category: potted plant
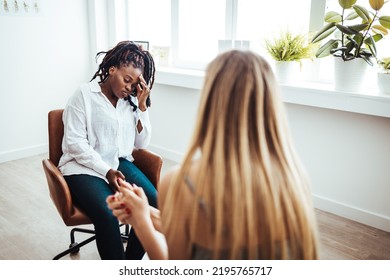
column 384, row 75
column 288, row 50
column 356, row 31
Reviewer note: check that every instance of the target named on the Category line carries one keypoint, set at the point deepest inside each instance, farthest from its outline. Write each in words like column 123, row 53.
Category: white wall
column 173, row 113
column 43, row 59
column 347, row 155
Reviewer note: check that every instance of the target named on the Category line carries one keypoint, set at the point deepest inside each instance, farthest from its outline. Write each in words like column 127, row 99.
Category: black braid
column 124, row 53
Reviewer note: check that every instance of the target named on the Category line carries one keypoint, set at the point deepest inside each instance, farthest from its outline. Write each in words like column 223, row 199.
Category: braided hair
column 123, row 54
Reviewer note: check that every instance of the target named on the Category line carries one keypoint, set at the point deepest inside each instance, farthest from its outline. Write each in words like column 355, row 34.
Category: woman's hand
column 130, row 205
column 113, row 176
column 143, row 92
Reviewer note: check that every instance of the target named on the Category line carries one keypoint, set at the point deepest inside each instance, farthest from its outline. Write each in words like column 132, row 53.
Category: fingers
column 123, row 184
column 120, row 175
column 129, row 194
column 139, row 191
column 143, row 86
column 115, row 201
column 141, row 77
column 114, row 176
column 123, row 215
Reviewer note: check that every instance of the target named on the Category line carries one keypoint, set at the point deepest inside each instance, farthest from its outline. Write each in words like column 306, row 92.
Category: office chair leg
column 73, row 243
column 74, row 247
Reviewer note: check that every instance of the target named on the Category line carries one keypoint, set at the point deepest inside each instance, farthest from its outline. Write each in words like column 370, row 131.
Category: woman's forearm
column 153, row 242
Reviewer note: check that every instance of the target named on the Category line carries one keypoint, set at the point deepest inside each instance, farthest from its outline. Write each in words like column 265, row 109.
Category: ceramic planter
column 349, row 75
column 384, row 83
column 287, row 71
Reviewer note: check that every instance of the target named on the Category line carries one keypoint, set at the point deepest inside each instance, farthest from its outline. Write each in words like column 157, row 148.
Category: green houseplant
column 384, row 75
column 355, row 40
column 355, row 30
column 288, row 50
column 384, row 64
column 290, row 47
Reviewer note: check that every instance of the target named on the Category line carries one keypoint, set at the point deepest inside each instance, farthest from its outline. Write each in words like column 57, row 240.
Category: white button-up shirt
column 97, row 134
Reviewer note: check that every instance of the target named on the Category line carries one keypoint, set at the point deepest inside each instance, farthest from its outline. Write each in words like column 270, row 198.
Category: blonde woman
column 240, row 192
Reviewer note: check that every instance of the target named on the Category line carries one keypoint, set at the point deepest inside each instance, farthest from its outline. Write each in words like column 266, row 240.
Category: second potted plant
column 384, row 75
column 356, row 32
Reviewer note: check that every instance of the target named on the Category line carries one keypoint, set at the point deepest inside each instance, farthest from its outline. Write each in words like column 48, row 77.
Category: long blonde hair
column 250, row 178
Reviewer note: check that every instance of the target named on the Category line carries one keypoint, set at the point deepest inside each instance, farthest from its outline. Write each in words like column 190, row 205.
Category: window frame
column 317, row 13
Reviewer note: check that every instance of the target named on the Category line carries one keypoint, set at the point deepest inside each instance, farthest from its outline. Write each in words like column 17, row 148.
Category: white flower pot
column 287, row 71
column 384, row 82
column 349, row 75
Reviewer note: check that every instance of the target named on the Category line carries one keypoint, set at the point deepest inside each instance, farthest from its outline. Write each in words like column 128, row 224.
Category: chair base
column 74, row 247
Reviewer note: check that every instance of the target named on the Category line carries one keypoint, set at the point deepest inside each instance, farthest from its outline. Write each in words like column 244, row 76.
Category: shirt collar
column 94, row 86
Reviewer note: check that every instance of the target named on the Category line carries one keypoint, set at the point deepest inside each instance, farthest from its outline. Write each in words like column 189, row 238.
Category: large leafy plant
column 353, row 39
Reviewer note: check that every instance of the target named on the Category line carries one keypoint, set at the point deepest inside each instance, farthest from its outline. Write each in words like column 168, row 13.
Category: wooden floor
column 31, row 229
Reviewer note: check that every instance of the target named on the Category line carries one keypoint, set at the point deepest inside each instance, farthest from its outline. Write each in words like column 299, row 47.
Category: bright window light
column 201, row 24
column 150, row 20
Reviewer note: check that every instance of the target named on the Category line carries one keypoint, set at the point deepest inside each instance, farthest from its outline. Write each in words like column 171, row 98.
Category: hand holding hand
column 113, row 176
column 130, row 205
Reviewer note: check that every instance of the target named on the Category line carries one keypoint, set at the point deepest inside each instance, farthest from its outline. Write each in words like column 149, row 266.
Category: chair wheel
column 76, row 250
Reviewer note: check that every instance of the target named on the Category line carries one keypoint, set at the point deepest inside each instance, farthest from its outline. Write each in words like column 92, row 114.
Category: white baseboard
column 166, row 153
column 22, row 153
column 350, row 212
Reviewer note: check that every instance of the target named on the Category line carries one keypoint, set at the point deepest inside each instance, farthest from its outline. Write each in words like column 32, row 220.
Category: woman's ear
column 111, row 70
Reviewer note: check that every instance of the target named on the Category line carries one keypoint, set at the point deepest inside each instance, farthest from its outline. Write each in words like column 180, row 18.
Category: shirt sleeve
column 76, row 142
column 142, row 139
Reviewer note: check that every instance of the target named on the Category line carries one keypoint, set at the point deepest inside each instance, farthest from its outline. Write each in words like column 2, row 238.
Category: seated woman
column 241, row 191
column 104, row 121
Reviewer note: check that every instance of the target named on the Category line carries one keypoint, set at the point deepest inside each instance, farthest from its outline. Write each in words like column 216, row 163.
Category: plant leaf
column 380, row 29
column 370, row 42
column 357, row 39
column 352, row 16
column 325, row 50
column 332, row 17
column 362, row 12
column 358, row 27
column 368, row 60
column 385, row 21
column 346, row 4
column 324, row 32
column 334, row 51
column 377, row 37
column 350, row 45
column 377, row 4
column 346, row 29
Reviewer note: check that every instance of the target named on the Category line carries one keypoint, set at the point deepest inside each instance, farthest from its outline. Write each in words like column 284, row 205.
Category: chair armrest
column 149, row 163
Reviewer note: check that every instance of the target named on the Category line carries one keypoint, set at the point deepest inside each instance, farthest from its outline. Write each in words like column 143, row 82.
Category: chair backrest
column 59, row 190
column 56, row 133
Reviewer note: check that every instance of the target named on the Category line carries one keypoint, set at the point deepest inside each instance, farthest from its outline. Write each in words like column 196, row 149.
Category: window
column 199, row 25
column 150, row 20
column 259, row 19
column 193, row 30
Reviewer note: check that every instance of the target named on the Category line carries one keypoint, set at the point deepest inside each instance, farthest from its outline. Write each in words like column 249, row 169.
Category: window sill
column 369, row 101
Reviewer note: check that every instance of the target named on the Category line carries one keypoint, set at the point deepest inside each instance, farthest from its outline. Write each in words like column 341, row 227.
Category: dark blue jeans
column 89, row 193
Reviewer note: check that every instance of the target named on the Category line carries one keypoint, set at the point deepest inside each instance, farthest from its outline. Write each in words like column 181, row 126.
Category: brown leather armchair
column 149, row 163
